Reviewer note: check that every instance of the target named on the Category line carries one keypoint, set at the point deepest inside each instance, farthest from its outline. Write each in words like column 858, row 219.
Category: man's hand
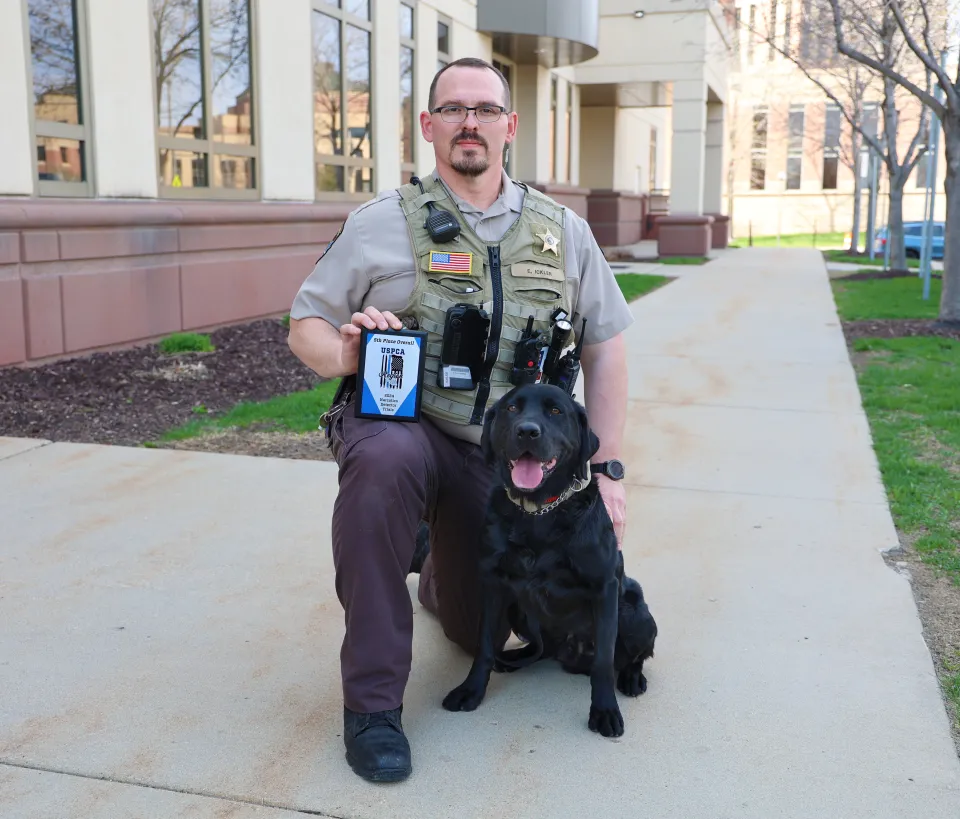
column 615, row 499
column 372, row 319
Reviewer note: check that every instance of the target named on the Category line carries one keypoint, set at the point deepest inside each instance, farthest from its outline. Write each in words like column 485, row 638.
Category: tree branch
column 929, row 62
column 848, row 51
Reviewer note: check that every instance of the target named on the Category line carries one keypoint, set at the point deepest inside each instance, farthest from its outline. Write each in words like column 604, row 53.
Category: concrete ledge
column 81, row 275
column 721, row 231
column 616, row 217
column 568, row 195
column 685, row 235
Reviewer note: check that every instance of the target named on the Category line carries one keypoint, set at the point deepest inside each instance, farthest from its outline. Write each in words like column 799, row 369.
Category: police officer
column 528, row 255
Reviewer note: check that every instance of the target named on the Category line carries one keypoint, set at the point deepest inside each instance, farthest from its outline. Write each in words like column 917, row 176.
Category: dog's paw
column 607, row 722
column 463, row 698
column 632, row 682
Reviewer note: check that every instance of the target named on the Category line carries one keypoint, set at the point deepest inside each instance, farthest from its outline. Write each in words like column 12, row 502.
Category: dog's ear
column 589, row 444
column 486, row 444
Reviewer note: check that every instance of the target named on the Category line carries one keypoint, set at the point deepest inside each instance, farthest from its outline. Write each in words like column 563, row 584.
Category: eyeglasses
column 458, row 113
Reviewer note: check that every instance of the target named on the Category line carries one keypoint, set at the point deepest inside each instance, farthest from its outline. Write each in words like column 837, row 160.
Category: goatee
column 470, row 165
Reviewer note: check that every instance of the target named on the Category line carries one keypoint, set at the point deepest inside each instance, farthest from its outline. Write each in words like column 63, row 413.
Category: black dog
column 549, row 562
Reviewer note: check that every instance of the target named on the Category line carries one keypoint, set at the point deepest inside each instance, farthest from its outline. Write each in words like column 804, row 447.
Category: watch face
column 615, row 469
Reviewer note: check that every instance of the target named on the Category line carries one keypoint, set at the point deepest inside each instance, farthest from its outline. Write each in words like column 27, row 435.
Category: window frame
column 344, row 160
column 795, row 151
column 759, row 153
column 83, row 132
column 209, row 145
column 444, row 57
column 831, row 152
column 411, row 43
column 500, row 62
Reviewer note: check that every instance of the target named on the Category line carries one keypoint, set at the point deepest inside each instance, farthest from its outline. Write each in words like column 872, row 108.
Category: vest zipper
column 493, row 344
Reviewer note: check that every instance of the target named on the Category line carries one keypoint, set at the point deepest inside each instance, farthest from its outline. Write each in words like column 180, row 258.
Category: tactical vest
column 512, row 279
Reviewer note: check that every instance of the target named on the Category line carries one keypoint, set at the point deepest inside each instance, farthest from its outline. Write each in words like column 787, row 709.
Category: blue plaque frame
column 365, row 404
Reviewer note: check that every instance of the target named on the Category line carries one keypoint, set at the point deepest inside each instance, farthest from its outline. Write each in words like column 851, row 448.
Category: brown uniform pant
column 393, row 475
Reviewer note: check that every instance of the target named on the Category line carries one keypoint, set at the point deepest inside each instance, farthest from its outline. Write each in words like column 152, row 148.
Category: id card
column 391, row 374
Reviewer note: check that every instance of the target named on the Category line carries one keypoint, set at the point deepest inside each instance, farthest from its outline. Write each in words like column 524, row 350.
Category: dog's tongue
column 527, row 472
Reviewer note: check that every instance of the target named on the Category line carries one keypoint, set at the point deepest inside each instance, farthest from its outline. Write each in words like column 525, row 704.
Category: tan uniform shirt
column 371, row 264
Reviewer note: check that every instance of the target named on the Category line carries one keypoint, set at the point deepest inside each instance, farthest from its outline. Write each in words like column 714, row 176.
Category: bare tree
column 924, row 27
column 849, row 85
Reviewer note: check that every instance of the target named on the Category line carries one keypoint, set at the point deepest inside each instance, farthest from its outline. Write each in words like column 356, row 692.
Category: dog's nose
column 528, row 429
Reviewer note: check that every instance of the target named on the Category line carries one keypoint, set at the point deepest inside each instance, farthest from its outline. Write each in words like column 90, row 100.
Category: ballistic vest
column 519, row 276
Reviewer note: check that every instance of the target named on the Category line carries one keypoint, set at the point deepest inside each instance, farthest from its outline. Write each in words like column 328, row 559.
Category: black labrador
column 549, row 562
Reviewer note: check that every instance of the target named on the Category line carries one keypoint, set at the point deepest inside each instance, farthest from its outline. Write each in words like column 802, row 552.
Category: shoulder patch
column 330, row 243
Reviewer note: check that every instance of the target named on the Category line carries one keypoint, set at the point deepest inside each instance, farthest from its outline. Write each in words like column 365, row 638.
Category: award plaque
column 390, row 376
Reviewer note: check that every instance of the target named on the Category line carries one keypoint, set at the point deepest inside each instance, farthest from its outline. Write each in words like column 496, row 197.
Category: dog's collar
column 531, row 508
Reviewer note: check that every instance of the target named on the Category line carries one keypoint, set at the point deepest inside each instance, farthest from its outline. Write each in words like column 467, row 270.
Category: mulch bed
column 863, row 275
column 899, row 328
column 131, row 396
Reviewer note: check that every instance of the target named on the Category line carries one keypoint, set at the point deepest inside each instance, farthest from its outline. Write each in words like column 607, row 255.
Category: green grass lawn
column 683, row 260
column 886, row 298
column 296, row 412
column 835, row 240
column 843, row 256
column 634, row 285
column 911, row 393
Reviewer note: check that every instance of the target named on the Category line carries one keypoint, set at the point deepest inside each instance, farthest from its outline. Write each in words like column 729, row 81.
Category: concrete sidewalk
column 170, row 634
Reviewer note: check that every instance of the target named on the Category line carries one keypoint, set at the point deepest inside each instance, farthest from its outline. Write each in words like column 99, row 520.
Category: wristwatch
column 613, row 469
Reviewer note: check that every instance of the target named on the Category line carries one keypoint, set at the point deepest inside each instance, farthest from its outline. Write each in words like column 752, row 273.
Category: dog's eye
column 555, row 410
column 511, row 408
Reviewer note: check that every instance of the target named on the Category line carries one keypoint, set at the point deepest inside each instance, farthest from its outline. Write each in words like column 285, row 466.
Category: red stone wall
column 77, row 275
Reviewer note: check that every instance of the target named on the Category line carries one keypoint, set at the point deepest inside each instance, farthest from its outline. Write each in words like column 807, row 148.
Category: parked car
column 913, row 239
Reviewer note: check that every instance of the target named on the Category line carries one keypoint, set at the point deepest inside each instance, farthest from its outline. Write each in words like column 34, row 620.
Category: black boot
column 377, row 749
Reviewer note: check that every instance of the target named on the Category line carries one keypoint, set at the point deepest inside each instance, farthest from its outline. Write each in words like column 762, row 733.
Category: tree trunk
column 898, row 259
column 950, row 298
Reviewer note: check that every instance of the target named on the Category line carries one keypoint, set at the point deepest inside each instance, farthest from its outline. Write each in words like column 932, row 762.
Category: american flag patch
column 451, row 262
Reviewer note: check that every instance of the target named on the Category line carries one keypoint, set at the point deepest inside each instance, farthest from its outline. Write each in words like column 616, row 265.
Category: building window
column 204, row 98
column 795, row 148
column 751, row 36
column 58, row 75
column 758, row 150
column 506, row 68
column 408, row 114
column 922, row 177
column 788, row 27
column 342, row 104
column 818, row 46
column 652, row 180
column 443, row 43
column 772, row 31
column 831, row 148
column 869, row 125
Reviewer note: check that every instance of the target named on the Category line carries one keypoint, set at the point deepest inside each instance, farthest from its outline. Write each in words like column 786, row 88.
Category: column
column 575, row 138
column 386, row 93
column 17, row 154
column 598, row 139
column 122, row 96
column 424, row 70
column 689, row 146
column 284, row 98
column 532, row 148
column 713, row 165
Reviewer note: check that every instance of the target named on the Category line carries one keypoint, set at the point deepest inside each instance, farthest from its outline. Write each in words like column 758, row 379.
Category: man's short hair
column 468, row 62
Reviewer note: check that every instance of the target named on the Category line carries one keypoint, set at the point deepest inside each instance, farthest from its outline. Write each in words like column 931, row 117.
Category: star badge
column 550, row 242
